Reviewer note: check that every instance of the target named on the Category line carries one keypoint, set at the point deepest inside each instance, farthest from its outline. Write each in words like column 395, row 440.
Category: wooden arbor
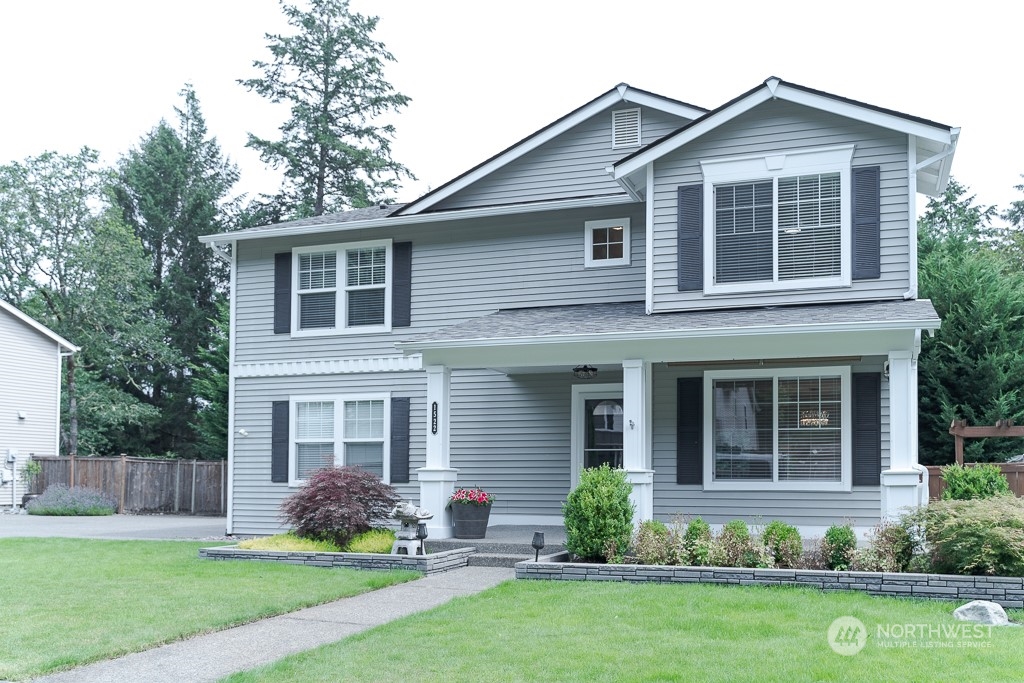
column 961, row 431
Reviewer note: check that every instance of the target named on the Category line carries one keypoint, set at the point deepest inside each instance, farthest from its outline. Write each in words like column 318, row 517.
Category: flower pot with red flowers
column 471, row 508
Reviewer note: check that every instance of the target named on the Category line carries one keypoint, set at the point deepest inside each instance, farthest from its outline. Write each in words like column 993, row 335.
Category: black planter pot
column 27, row 497
column 470, row 520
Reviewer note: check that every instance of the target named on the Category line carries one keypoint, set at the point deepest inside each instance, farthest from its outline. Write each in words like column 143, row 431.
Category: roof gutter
column 766, row 330
column 417, row 219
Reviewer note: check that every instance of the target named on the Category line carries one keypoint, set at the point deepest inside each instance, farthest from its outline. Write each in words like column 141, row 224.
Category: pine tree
column 331, row 73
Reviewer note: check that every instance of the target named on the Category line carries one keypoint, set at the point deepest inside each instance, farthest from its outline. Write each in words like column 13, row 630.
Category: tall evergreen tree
column 172, row 189
column 331, row 73
column 973, row 369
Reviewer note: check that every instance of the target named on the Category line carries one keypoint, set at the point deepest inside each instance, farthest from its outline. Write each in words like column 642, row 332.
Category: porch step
column 496, row 559
column 484, row 547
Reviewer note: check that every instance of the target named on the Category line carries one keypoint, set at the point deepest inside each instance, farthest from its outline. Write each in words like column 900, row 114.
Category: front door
column 597, row 427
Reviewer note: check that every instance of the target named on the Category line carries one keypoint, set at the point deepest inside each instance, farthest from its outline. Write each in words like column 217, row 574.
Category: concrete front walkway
column 211, row 657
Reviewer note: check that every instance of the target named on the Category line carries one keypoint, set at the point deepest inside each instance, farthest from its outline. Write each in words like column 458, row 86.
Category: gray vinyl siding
column 572, row 165
column 28, row 383
column 808, row 508
column 771, row 127
column 460, row 270
column 256, row 500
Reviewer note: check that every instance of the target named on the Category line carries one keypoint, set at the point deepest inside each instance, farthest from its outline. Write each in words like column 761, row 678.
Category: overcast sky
column 483, row 75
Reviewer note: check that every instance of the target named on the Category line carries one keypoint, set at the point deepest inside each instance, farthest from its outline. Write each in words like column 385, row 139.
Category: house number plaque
column 433, row 417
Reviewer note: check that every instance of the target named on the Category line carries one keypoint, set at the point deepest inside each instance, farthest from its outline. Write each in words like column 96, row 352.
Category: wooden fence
column 1014, row 474
column 195, row 487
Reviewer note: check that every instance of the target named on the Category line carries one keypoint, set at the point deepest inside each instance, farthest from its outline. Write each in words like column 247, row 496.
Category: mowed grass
column 65, row 602
column 561, row 631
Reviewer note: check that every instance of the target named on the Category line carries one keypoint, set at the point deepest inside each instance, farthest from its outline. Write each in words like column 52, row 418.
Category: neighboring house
column 30, row 364
column 743, row 281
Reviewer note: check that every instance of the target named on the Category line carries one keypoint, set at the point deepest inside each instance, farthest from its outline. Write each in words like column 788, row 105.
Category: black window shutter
column 279, row 442
column 689, row 428
column 399, row 440
column 867, row 428
column 867, row 223
column 283, row 293
column 401, row 284
column 690, row 224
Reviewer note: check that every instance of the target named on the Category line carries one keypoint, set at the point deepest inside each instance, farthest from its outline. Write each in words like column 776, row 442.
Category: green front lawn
column 555, row 631
column 65, row 602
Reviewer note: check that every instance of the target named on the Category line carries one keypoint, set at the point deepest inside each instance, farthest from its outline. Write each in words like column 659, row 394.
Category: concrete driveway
column 145, row 527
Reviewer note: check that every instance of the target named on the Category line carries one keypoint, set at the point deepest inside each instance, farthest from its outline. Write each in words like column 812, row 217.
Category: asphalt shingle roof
column 624, row 318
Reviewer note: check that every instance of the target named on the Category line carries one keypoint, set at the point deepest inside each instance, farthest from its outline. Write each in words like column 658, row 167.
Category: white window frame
column 784, row 164
column 846, row 396
column 588, row 239
column 580, row 394
column 340, row 439
column 341, row 288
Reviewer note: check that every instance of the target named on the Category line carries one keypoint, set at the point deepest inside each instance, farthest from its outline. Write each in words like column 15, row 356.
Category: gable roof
column 620, row 93
column 936, row 142
column 38, row 327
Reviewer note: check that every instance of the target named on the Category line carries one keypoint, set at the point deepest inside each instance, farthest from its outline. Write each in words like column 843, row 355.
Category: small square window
column 607, row 243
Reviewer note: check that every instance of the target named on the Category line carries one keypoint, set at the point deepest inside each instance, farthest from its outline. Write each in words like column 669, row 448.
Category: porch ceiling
column 609, row 333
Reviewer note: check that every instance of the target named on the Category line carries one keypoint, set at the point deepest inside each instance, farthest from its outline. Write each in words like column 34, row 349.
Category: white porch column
column 437, row 479
column 636, row 444
column 900, row 482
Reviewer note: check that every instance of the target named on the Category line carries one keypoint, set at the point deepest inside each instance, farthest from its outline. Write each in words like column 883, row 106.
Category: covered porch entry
column 613, row 420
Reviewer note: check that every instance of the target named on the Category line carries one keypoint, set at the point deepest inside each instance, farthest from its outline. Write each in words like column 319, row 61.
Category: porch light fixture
column 538, row 543
column 584, row 371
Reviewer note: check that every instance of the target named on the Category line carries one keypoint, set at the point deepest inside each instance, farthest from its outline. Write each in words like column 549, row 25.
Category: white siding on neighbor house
column 572, row 165
column 862, row 505
column 256, row 499
column 772, row 127
column 28, row 383
column 460, row 270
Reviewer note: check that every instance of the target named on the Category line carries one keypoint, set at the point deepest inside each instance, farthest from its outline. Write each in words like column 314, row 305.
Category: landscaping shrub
column 337, row 503
column 60, row 500
column 372, row 541
column 735, row 547
column 784, row 543
column 288, row 542
column 598, row 514
column 978, row 481
column 890, row 549
column 652, row 543
column 982, row 536
column 838, row 547
column 696, row 543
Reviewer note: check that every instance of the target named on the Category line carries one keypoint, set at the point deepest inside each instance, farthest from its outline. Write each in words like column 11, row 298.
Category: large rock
column 983, row 612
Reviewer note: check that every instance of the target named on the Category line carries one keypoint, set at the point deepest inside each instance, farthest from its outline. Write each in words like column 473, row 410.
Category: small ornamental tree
column 339, row 502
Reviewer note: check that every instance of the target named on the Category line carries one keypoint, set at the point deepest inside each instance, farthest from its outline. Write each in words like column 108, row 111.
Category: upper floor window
column 778, row 222
column 607, row 243
column 357, row 299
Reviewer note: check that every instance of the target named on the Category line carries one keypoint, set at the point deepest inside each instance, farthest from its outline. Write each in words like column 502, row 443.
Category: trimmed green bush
column 977, row 481
column 372, row 541
column 838, row 547
column 735, row 547
column 697, row 542
column 784, row 543
column 890, row 549
column 983, row 536
column 652, row 543
column 598, row 514
column 80, row 501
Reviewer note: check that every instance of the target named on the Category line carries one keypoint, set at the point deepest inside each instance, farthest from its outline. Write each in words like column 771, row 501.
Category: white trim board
column 38, row 327
column 330, row 366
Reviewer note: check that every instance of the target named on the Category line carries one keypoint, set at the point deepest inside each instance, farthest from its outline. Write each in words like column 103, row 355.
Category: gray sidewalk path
column 211, row 657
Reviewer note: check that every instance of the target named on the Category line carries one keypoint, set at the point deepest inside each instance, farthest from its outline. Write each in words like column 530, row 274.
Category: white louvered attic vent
column 626, row 128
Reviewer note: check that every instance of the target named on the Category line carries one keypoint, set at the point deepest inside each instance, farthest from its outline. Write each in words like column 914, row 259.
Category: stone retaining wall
column 1007, row 591
column 433, row 563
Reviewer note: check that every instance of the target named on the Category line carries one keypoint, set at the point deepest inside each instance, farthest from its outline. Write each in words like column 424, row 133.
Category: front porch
column 672, row 446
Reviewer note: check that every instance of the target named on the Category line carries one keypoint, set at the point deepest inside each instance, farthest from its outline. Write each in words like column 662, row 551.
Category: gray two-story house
column 722, row 303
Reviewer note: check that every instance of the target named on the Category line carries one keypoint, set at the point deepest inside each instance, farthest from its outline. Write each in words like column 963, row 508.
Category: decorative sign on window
column 433, row 417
